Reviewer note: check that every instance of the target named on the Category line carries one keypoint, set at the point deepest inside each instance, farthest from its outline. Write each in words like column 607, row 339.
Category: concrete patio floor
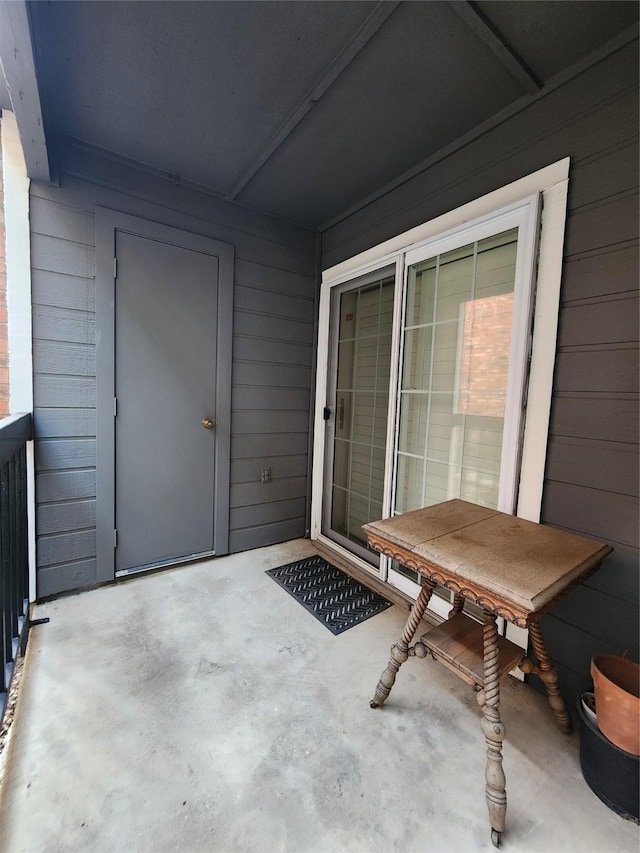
column 203, row 709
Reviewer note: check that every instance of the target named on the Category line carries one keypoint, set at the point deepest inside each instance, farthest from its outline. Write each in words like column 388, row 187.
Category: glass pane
column 360, row 470
column 454, row 374
column 363, row 410
column 361, row 407
column 496, row 264
column 443, row 483
column 341, row 463
column 375, row 511
column 368, row 311
column 484, row 355
column 445, row 357
column 346, row 352
column 377, row 478
column 410, row 480
column 339, row 510
column 358, row 515
column 421, row 293
column 417, row 359
column 455, row 282
column 380, row 420
column 446, row 430
column 383, row 363
column 413, row 423
column 480, row 488
column 483, row 443
column 385, row 319
column 366, row 363
column 348, row 302
column 343, row 414
column 408, row 573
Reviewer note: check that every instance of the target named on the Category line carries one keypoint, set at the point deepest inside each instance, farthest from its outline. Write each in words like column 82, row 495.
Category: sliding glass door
column 358, row 397
column 426, row 367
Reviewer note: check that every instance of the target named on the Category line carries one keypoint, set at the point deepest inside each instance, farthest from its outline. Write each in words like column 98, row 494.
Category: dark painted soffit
column 300, row 110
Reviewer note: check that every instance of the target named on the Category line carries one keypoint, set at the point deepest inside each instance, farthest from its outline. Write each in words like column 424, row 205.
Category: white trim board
column 18, row 256
column 542, row 181
column 18, row 65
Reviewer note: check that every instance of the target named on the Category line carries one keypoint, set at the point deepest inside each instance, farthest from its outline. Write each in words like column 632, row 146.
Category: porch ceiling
column 300, row 109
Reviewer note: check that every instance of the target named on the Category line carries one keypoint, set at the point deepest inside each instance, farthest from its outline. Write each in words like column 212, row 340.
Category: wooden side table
column 511, row 568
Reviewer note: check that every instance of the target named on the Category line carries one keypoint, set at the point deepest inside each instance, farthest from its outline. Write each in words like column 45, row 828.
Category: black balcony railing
column 15, row 431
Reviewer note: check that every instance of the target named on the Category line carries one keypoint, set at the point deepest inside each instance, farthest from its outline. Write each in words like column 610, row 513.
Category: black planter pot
column 610, row 772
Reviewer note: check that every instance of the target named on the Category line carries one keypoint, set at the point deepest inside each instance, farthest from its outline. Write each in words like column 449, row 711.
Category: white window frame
column 551, row 183
column 523, row 215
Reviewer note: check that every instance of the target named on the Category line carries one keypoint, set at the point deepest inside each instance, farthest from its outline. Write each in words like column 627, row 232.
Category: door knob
column 207, row 423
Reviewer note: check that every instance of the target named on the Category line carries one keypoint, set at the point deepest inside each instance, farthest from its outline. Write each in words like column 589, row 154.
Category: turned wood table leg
column 400, row 650
column 493, row 730
column 458, row 604
column 549, row 677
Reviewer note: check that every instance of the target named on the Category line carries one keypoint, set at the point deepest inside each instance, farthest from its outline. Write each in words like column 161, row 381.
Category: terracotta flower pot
column 616, row 683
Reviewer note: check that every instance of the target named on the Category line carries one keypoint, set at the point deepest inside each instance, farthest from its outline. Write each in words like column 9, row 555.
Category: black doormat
column 333, row 597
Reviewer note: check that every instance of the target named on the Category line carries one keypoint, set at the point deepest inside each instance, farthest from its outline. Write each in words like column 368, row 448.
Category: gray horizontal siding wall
column 274, row 306
column 591, row 483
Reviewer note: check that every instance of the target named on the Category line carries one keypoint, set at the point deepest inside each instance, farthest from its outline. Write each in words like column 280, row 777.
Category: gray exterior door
column 164, row 309
column 166, row 325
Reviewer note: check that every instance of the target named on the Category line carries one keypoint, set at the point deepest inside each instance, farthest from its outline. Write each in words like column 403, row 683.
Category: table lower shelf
column 458, row 644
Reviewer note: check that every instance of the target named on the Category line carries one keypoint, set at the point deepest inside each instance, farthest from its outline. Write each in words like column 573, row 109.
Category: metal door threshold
column 165, row 564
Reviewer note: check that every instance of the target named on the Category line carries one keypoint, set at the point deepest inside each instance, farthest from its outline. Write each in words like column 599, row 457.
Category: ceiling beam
column 599, row 54
column 496, row 42
column 18, row 66
column 363, row 35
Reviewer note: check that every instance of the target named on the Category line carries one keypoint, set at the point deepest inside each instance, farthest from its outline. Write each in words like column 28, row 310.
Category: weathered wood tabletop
column 520, row 566
column 510, row 567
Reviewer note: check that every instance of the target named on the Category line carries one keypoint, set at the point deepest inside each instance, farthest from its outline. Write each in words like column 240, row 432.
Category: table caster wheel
column 495, row 837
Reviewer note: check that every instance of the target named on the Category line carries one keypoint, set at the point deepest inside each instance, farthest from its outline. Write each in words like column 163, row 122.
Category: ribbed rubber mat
column 334, row 598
